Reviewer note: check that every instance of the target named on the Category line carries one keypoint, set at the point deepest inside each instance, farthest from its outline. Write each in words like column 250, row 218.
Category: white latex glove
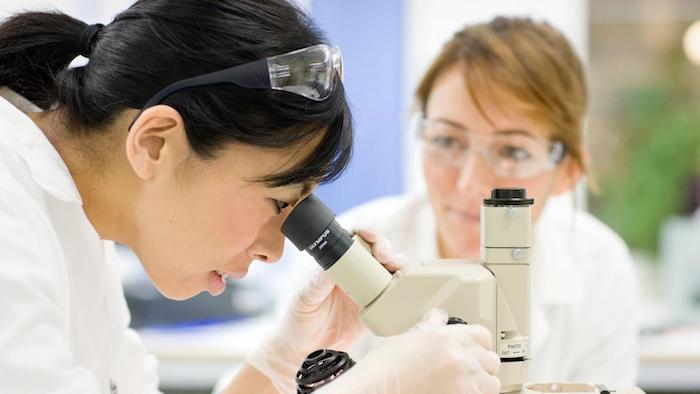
column 320, row 316
column 429, row 358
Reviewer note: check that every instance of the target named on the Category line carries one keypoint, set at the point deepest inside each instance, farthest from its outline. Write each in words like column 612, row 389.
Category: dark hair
column 157, row 42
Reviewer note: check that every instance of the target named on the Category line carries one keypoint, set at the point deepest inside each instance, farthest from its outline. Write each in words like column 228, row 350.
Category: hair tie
column 88, row 39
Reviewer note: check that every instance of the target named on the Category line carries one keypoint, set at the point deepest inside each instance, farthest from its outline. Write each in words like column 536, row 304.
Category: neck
column 97, row 173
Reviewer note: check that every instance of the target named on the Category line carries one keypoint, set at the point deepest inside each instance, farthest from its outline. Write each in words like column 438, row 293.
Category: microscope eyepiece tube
column 311, row 226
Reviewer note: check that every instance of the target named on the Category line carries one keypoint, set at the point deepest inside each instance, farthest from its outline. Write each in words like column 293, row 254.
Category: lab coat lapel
column 540, row 323
column 555, row 275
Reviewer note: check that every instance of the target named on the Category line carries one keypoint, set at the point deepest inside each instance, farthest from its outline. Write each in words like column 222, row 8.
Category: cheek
column 439, row 180
column 538, row 188
column 212, row 226
column 238, row 226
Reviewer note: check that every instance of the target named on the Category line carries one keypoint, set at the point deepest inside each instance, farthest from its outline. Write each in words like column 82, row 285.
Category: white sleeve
column 612, row 356
column 35, row 356
column 138, row 369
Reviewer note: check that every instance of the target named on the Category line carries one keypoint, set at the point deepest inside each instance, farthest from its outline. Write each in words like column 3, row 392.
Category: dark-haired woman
column 188, row 135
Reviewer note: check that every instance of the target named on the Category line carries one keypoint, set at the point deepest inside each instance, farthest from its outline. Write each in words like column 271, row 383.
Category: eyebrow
column 449, row 122
column 515, row 132
column 499, row 132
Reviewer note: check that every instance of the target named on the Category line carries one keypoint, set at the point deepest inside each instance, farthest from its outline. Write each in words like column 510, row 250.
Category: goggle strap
column 250, row 75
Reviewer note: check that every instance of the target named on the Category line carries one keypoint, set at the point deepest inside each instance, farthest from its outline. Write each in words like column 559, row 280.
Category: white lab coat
column 63, row 317
column 584, row 288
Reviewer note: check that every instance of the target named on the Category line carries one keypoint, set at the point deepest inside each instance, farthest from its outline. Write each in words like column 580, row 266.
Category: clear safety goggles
column 309, row 72
column 509, row 154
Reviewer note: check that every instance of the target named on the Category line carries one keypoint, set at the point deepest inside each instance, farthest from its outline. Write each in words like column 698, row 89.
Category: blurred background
column 643, row 60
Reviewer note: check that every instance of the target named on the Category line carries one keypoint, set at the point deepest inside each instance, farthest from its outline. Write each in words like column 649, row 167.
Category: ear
column 156, row 141
column 567, row 175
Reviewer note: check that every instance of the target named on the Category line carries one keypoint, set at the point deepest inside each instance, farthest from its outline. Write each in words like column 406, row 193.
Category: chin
column 177, row 293
column 462, row 239
column 469, row 252
column 463, row 234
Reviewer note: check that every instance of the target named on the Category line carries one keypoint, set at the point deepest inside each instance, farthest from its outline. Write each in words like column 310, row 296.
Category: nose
column 474, row 175
column 269, row 246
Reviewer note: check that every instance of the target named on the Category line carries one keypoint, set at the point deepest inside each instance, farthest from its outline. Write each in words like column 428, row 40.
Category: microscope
column 494, row 292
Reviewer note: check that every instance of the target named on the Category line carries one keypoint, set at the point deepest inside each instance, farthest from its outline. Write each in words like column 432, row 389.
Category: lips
column 463, row 216
column 216, row 280
column 216, row 283
column 232, row 274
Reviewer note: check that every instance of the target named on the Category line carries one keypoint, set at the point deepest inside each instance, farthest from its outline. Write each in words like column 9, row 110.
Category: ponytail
column 35, row 47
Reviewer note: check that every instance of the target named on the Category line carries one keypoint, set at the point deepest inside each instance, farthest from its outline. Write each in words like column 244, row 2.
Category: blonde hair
column 530, row 63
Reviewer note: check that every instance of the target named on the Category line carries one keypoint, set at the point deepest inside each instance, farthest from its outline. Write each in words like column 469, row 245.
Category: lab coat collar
column 20, row 134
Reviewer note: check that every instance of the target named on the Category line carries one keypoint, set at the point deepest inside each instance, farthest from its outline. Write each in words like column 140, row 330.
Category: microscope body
column 494, row 292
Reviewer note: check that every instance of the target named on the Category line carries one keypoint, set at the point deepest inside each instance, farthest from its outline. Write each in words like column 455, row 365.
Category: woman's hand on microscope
column 432, row 357
column 320, row 316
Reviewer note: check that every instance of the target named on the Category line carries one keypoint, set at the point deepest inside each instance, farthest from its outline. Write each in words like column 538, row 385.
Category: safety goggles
column 309, row 72
column 509, row 155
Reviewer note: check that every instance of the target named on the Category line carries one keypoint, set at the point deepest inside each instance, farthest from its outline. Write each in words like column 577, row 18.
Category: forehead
column 247, row 164
column 451, row 100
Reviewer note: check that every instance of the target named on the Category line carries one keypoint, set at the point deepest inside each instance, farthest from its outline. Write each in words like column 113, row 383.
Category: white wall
column 89, row 11
column 430, row 23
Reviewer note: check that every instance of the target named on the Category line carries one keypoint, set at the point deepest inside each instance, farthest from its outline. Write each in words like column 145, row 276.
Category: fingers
column 474, row 333
column 434, row 317
column 400, row 259
column 317, row 290
column 482, row 365
column 476, row 340
column 488, row 384
column 481, row 335
column 368, row 234
column 393, row 266
column 489, row 361
column 381, row 250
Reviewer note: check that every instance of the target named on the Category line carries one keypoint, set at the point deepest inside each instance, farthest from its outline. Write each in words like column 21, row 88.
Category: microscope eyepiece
column 345, row 258
column 311, row 226
column 508, row 197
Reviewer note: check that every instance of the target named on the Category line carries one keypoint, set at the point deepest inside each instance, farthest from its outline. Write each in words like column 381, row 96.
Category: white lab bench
column 671, row 362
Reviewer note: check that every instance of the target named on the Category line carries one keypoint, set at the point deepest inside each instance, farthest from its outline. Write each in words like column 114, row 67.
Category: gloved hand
column 321, row 316
column 430, row 358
